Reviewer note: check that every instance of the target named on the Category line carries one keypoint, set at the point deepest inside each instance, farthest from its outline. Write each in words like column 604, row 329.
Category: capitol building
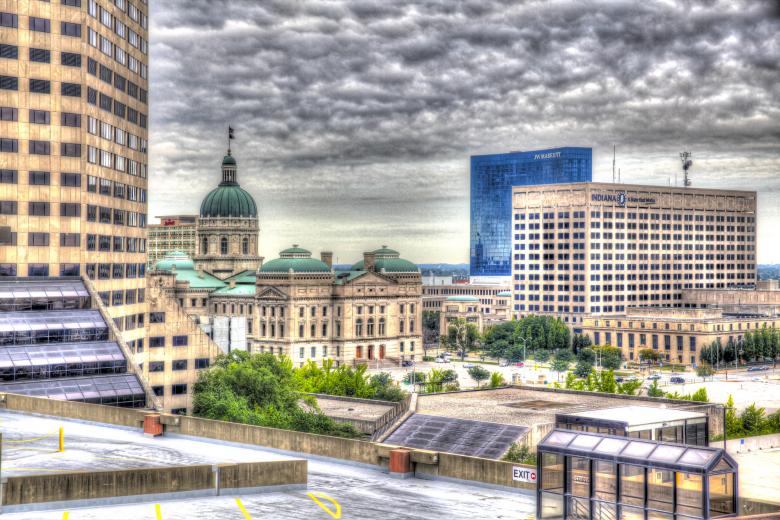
column 296, row 305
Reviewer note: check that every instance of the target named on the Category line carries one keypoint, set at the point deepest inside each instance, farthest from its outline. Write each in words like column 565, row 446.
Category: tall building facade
column 174, row 233
column 73, row 144
column 597, row 248
column 492, row 178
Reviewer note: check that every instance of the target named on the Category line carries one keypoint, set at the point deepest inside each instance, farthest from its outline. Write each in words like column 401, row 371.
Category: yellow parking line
column 65, row 515
column 157, row 510
column 316, row 495
column 243, row 509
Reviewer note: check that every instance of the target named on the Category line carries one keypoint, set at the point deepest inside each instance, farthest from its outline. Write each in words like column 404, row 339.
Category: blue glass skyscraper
column 492, row 178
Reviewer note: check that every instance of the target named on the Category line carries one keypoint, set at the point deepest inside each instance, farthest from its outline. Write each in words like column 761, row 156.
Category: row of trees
column 446, row 380
column 540, row 335
column 264, row 390
column 755, row 345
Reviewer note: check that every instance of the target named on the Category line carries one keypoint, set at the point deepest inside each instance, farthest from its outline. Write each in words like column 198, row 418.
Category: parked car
column 757, row 368
column 469, row 365
column 654, row 377
column 677, row 380
column 633, row 378
column 619, row 379
column 442, row 360
column 520, row 364
column 406, row 363
column 503, row 363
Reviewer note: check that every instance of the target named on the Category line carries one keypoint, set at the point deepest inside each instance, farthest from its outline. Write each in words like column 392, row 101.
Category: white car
column 442, row 360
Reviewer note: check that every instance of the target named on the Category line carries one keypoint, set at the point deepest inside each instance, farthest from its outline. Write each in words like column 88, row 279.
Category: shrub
column 496, row 380
column 520, row 455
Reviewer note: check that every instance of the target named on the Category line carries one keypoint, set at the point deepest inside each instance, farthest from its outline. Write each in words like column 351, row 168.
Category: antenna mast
column 613, row 164
column 687, row 162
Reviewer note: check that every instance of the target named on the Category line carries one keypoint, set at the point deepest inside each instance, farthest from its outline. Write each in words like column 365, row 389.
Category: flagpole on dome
column 230, row 137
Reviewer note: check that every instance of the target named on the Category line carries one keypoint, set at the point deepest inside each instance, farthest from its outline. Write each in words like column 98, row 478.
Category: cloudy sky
column 355, row 120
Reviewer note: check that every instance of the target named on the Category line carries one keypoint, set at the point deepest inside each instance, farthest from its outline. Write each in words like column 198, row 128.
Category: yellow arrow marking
column 243, row 509
column 157, row 510
column 316, row 495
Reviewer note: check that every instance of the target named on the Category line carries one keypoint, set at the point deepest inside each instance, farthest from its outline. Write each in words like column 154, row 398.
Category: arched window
column 381, row 326
column 245, row 246
column 204, row 245
column 223, row 245
column 370, row 327
column 359, row 328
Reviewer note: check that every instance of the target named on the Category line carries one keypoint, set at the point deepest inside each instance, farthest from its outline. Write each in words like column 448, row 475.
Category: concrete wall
column 757, row 443
column 320, row 445
column 73, row 410
column 489, row 471
column 92, row 485
column 260, row 474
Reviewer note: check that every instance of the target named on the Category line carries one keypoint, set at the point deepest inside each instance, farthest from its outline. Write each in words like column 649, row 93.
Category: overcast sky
column 355, row 120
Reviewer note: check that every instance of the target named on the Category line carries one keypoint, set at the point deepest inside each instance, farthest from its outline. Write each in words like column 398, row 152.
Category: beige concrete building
column 173, row 233
column 483, row 305
column 676, row 334
column 596, row 248
column 369, row 314
column 73, row 185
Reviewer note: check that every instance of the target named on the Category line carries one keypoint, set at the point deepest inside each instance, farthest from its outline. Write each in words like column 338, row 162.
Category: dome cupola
column 228, row 199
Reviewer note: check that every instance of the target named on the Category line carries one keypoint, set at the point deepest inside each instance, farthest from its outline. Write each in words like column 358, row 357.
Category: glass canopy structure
column 595, row 476
column 54, row 344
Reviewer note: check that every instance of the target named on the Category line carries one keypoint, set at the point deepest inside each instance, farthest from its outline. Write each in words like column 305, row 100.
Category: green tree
column 499, row 342
column 587, row 354
column 649, row 355
column 430, row 329
column 629, row 387
column 583, row 368
column 654, row 391
column 461, row 337
column 606, row 383
column 704, row 370
column 497, row 380
column 733, row 423
column 580, row 341
column 753, row 419
column 700, row 395
column 478, row 374
column 260, row 389
column 520, row 455
column 609, row 356
column 560, row 364
column 543, row 333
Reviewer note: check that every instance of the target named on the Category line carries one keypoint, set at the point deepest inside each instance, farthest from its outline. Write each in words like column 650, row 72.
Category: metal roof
column 636, row 415
column 464, row 437
column 25, row 356
column 626, row 450
column 51, row 320
column 18, row 288
column 79, row 388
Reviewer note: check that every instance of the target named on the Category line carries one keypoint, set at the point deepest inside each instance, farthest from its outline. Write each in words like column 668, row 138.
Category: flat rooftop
column 362, row 492
column 522, row 406
column 30, row 444
column 640, row 415
column 352, row 409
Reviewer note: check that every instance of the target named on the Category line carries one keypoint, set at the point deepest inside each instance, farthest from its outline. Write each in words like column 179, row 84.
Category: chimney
column 327, row 258
column 233, row 283
column 369, row 261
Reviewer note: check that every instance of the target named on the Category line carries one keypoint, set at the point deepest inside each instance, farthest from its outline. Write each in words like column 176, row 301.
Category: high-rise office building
column 73, row 136
column 597, row 248
column 492, row 178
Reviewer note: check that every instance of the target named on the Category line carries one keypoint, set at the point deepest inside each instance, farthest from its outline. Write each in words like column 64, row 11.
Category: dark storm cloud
column 365, row 112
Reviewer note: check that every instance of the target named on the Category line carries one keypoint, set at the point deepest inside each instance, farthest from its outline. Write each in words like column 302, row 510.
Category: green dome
column 228, row 200
column 390, row 261
column 464, row 298
column 228, row 160
column 176, row 259
column 297, row 259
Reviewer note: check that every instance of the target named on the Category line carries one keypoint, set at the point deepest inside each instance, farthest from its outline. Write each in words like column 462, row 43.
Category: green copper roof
column 295, row 250
column 238, row 290
column 388, row 259
column 462, row 299
column 176, row 259
column 228, row 200
column 244, row 277
column 299, row 265
column 228, row 160
column 199, row 281
column 504, row 293
column 296, row 258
